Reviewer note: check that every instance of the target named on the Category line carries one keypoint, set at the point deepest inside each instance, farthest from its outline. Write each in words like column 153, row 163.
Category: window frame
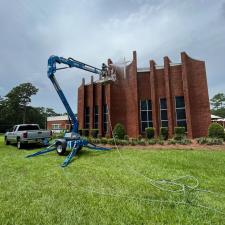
column 86, row 124
column 96, row 115
column 56, row 126
column 105, row 118
column 160, row 113
column 148, row 111
column 182, row 108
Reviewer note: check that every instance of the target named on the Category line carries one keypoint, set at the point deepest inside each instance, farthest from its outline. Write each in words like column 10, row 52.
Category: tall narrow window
column 145, row 114
column 96, row 117
column 163, row 112
column 87, row 118
column 180, row 111
column 105, row 119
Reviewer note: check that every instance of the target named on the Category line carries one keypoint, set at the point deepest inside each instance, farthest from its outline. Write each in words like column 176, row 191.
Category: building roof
column 215, row 117
column 55, row 118
column 147, row 69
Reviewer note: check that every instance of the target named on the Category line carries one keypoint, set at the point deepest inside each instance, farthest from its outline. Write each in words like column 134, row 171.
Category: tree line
column 218, row 105
column 15, row 108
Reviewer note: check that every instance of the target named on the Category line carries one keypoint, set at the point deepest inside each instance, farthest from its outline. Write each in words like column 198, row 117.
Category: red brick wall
column 63, row 124
column 187, row 79
column 197, row 95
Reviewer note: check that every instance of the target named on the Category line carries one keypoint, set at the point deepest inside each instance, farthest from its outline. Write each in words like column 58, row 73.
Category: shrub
column 179, row 133
column 133, row 141
column 99, row 136
column 139, row 137
column 119, row 131
column 119, row 142
column 215, row 141
column 94, row 133
column 110, row 141
column 85, row 132
column 210, row 141
column 141, row 142
column 58, row 135
column 202, row 140
column 159, row 141
column 124, row 142
column 152, row 141
column 96, row 140
column 164, row 133
column 184, row 141
column 104, row 141
column 126, row 137
column 215, row 130
column 150, row 132
column 171, row 142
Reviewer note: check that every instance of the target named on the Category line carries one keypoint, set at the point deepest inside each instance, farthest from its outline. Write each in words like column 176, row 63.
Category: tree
column 218, row 101
column 20, row 97
column 218, row 105
column 15, row 108
column 51, row 112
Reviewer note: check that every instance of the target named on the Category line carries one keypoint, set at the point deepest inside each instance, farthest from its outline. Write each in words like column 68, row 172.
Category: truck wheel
column 6, row 141
column 19, row 144
column 60, row 148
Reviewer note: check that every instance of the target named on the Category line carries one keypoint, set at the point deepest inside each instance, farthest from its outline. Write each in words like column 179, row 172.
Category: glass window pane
column 180, row 102
column 143, row 105
column 163, row 104
column 150, row 115
column 143, row 126
column 96, row 109
column 144, row 115
column 181, row 114
column 164, row 115
column 87, row 110
column 105, row 127
column 164, row 123
column 105, row 109
column 149, row 104
column 150, row 124
column 182, row 124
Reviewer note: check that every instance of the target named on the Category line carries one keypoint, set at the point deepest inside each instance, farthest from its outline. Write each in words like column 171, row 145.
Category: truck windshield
column 28, row 127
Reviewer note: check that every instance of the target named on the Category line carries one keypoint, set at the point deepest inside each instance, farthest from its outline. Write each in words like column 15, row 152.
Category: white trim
column 57, row 118
column 144, row 69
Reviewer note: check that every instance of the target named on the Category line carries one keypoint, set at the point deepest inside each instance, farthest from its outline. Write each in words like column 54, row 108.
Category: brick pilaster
column 100, row 108
column 81, row 105
column 154, row 98
column 91, row 104
column 169, row 98
column 184, row 60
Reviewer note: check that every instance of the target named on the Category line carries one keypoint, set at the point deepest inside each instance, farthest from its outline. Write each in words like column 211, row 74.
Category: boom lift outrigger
column 72, row 139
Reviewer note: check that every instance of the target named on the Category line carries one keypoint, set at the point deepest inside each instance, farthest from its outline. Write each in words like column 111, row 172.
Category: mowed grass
column 105, row 188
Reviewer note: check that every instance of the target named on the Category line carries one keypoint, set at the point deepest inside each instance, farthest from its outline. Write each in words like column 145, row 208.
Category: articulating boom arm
column 70, row 62
column 72, row 141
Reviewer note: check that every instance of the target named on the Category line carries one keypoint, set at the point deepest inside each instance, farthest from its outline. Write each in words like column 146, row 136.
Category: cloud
column 92, row 31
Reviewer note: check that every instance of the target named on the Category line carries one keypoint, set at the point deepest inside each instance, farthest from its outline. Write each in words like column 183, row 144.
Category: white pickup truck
column 27, row 133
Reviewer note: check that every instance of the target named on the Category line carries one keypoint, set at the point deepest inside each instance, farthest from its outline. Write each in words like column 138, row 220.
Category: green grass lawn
column 103, row 188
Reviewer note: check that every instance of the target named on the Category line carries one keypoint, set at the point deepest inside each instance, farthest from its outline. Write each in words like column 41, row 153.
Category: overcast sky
column 94, row 30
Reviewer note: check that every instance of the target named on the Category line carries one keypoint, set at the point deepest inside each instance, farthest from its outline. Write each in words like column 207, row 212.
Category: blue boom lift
column 71, row 140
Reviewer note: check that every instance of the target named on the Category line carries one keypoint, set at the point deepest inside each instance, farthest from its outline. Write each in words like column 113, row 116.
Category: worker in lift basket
column 104, row 70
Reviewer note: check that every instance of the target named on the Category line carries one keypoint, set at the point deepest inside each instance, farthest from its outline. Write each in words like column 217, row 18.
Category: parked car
column 26, row 134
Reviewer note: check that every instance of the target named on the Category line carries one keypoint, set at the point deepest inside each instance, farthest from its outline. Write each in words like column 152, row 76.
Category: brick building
column 58, row 123
column 158, row 96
